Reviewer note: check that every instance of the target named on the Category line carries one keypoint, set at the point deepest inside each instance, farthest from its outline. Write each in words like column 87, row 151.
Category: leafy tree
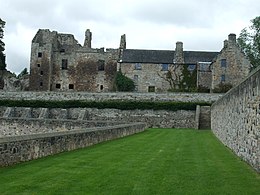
column 249, row 41
column 123, row 83
column 2, row 46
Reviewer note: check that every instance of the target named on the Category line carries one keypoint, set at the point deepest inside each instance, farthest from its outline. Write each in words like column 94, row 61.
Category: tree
column 249, row 41
column 123, row 83
column 24, row 72
column 2, row 45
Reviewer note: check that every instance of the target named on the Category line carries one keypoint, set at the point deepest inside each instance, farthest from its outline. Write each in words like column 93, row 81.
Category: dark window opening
column 64, row 64
column 41, row 72
column 62, row 50
column 41, row 84
column 39, row 65
column 151, row 89
column 165, row 67
column 223, row 78
column 191, row 67
column 138, row 66
column 39, row 54
column 101, row 87
column 223, row 63
column 71, row 86
column 101, row 65
column 57, row 86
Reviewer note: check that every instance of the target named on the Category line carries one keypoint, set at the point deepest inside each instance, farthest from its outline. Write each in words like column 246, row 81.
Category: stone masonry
column 235, row 119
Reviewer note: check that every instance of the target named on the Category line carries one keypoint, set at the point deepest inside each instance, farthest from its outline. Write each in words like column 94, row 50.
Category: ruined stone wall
column 58, row 96
column 231, row 65
column 15, row 149
column 235, row 119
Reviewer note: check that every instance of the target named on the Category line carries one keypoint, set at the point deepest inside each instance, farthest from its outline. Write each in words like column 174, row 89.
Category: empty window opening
column 71, row 86
column 39, row 65
column 41, row 73
column 101, row 65
column 62, row 50
column 223, row 63
column 101, row 87
column 57, row 86
column 41, row 84
column 64, row 64
column 39, row 54
column 165, row 67
column 151, row 89
column 138, row 66
column 223, row 78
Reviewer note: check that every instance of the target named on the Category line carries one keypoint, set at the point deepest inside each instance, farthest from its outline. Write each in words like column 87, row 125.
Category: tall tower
column 88, row 38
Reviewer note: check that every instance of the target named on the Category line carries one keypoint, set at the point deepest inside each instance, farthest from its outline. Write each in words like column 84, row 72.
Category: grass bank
column 157, row 161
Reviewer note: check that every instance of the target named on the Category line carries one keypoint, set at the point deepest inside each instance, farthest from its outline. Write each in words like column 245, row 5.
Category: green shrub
column 123, row 83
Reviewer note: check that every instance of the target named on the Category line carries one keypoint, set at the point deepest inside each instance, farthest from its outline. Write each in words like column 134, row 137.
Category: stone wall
column 57, row 96
column 85, row 116
column 17, row 149
column 235, row 119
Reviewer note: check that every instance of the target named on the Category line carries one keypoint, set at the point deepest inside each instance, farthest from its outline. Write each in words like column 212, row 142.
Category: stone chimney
column 122, row 42
column 178, row 56
column 88, row 38
column 232, row 38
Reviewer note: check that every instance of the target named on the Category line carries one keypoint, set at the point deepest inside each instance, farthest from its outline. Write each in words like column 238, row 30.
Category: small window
column 57, row 86
column 71, row 86
column 135, row 78
column 151, row 89
column 191, row 67
column 41, row 73
column 39, row 54
column 101, row 65
column 64, row 64
column 223, row 63
column 223, row 78
column 62, row 51
column 41, row 84
column 101, row 87
column 165, row 67
column 39, row 65
column 138, row 66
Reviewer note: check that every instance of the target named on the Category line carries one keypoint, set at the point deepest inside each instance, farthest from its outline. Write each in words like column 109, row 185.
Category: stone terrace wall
column 17, row 149
column 235, row 119
column 19, row 126
column 182, row 97
column 152, row 118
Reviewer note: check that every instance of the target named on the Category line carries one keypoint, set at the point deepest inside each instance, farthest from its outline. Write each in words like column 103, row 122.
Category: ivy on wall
column 123, row 83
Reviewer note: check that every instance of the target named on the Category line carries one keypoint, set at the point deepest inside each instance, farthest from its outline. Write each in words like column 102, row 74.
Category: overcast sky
column 148, row 24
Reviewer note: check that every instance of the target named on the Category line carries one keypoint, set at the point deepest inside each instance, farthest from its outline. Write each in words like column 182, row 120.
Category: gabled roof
column 165, row 56
column 199, row 56
column 147, row 56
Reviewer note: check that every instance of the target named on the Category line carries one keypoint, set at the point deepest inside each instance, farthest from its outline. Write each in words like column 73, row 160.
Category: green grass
column 157, row 161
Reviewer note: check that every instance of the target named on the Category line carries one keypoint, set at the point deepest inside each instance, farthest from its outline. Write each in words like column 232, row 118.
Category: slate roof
column 165, row 56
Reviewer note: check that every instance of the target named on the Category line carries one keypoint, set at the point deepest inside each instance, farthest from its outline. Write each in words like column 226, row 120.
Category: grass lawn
column 157, row 161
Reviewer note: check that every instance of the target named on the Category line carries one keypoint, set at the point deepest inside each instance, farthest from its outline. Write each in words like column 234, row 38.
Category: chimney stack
column 232, row 38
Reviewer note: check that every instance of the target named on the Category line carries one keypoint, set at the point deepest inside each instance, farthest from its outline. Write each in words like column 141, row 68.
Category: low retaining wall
column 153, row 118
column 17, row 149
column 235, row 119
column 57, row 96
column 19, row 126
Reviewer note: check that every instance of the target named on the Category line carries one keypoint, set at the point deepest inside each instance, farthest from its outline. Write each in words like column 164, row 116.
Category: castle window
column 223, row 78
column 138, row 66
column 101, row 87
column 165, row 67
column 191, row 67
column 41, row 84
column 151, row 89
column 39, row 54
column 223, row 63
column 135, row 78
column 41, row 73
column 71, row 86
column 62, row 50
column 57, row 86
column 39, row 65
column 64, row 64
column 101, row 65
